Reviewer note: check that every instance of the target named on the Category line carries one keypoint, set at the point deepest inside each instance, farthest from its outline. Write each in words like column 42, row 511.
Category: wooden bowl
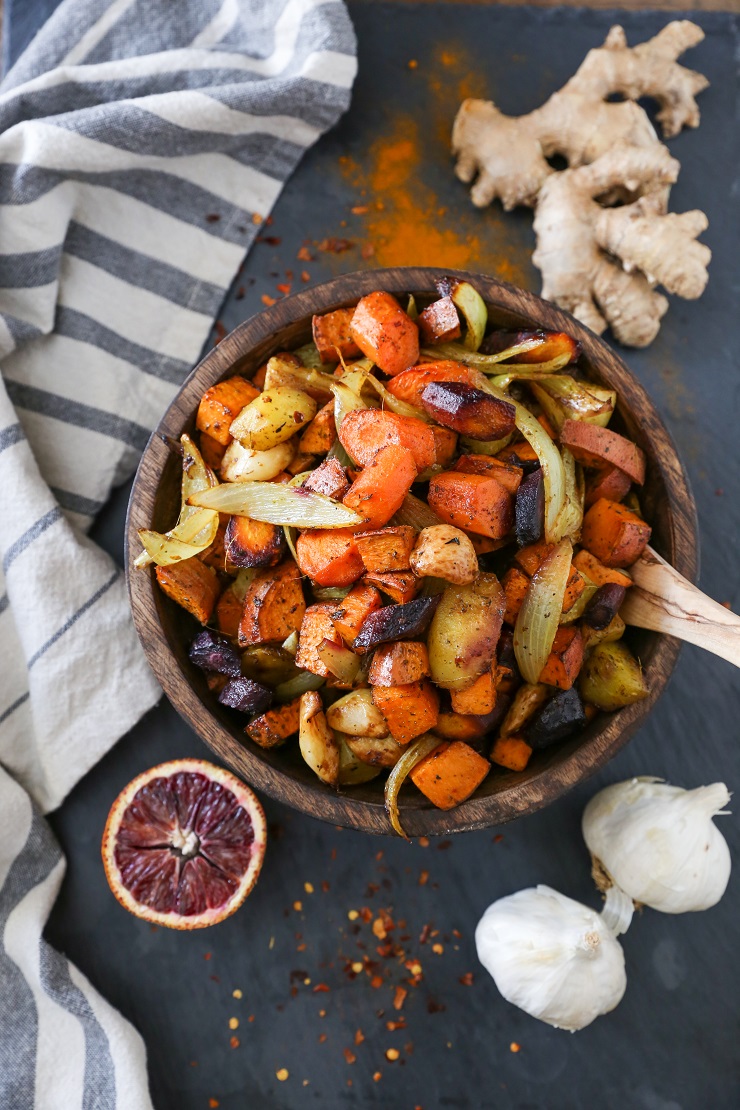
column 166, row 630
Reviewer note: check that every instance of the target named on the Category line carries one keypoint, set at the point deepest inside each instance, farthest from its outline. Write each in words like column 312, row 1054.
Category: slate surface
column 672, row 1043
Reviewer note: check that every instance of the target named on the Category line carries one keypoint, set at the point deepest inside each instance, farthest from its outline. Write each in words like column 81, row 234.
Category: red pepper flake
column 360, row 209
column 514, row 1047
column 366, row 914
column 213, row 218
column 251, row 1017
column 234, row 1042
column 213, row 1103
column 305, row 276
column 359, row 1037
column 424, row 934
column 257, row 219
column 325, row 887
column 377, row 1076
column 394, row 1025
column 304, row 255
column 466, row 979
column 434, row 1007
column 207, row 955
column 322, row 1037
column 193, row 1063
column 368, row 250
column 726, row 604
column 239, row 295
column 321, row 988
column 423, row 878
column 399, row 998
column 409, row 1048
column 376, row 981
column 283, row 288
column 423, row 842
column 457, row 933
column 271, row 240
column 267, row 299
column 379, row 929
column 498, row 838
column 335, row 245
column 444, row 845
column 349, row 1056
column 301, row 947
column 333, row 853
column 438, row 949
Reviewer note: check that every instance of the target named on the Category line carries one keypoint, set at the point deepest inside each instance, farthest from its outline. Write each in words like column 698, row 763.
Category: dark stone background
column 673, row 1042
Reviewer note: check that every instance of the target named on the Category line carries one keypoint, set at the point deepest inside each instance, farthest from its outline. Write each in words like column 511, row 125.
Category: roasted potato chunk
column 319, row 746
column 464, row 632
column 273, row 417
column 443, row 551
column 612, row 677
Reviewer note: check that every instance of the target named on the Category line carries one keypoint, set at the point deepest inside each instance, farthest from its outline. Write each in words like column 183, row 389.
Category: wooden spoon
column 662, row 600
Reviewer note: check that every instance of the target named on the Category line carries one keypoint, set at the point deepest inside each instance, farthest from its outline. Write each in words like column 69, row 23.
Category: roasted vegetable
column 410, row 385
column 378, row 491
column 478, row 699
column 273, row 417
column 375, row 751
column 604, row 606
column 471, row 305
column 356, row 714
column 510, row 477
column 321, row 433
column 450, row 774
column 561, row 715
column 319, row 746
column 399, row 663
column 395, row 622
column 316, row 627
column 401, row 586
column 527, row 701
column 445, row 552
column 613, row 534
column 512, row 752
column 468, row 411
column 353, row 609
column 594, row 446
column 273, row 607
column 612, row 677
column 565, row 660
column 529, row 509
column 252, row 543
column 413, row 755
column 212, row 652
column 241, row 464
column 539, row 615
column 246, row 695
column 546, row 345
column 439, row 322
column 464, row 631
column 352, row 770
column 275, row 726
column 219, row 406
column 286, row 505
column 191, row 584
column 610, row 482
column 387, row 549
column 329, row 556
column 565, row 401
column 613, row 631
column 196, row 529
column 342, row 664
column 591, row 568
column 331, row 334
column 364, row 432
column 384, row 333
column 472, row 501
column 409, row 710
column 329, row 479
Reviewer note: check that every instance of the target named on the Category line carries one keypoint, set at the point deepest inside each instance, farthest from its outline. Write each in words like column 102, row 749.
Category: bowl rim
column 518, row 798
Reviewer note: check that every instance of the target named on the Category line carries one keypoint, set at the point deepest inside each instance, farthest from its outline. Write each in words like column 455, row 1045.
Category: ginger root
column 605, row 237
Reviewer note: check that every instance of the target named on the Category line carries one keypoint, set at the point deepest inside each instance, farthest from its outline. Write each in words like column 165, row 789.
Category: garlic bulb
column 659, row 843
column 556, row 959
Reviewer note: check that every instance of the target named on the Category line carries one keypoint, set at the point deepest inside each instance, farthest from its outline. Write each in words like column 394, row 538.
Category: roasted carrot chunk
column 472, row 501
column 385, row 333
column 595, row 446
column 332, row 336
column 320, row 434
column 330, row 478
column 565, row 660
column 409, row 710
column 351, row 613
column 273, row 606
column 610, row 482
column 450, row 774
column 479, row 698
column 573, row 589
column 439, row 322
column 215, row 555
column 317, row 626
column 512, row 752
column 221, row 404
column 211, row 450
column 614, row 534
column 378, row 491
column 519, row 454
column 483, row 544
column 600, row 575
column 329, row 556
column 387, row 549
column 543, row 420
column 400, row 585
column 410, row 385
column 192, row 585
column 276, row 725
column 364, row 432
column 252, row 543
column 516, row 584
column 510, row 477
column 229, row 613
column 533, row 555
column 445, row 445
column 399, row 664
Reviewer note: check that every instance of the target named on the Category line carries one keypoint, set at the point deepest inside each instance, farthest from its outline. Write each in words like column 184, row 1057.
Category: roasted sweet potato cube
column 510, row 477
column 229, row 613
column 317, row 625
column 365, row 432
column 330, row 478
column 516, row 584
column 274, row 727
column 329, row 556
column 588, row 564
column 479, row 699
column 387, row 549
column 221, row 404
column 399, row 664
column 211, row 450
column 520, row 454
column 252, row 543
column 530, row 558
column 565, row 660
column 409, row 710
column 512, row 752
column 611, row 483
column 473, row 502
column 331, row 335
column 595, row 446
column 439, row 322
column 193, row 585
column 574, row 587
column 450, row 774
column 400, row 585
column 445, row 445
column 320, row 434
column 385, row 333
column 273, row 606
column 614, row 534
column 300, row 463
column 468, row 410
column 350, row 614
column 215, row 555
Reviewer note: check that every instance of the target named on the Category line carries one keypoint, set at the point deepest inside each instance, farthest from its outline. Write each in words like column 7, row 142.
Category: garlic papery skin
column 554, row 958
column 659, row 843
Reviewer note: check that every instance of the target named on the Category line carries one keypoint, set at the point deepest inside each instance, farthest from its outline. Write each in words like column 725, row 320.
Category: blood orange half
column 183, row 844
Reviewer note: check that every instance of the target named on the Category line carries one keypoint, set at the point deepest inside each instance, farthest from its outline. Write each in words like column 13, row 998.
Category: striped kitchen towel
column 141, row 144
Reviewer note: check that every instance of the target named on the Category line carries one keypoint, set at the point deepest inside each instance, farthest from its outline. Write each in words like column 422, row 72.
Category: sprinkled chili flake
column 438, row 949
column 423, row 842
column 357, row 967
column 322, row 1037
column 444, row 845
column 399, row 998
column 321, row 988
column 301, row 947
column 413, row 966
column 213, row 218
column 284, row 289
column 206, row 955
column 514, row 1047
column 298, row 906
column 413, row 64
column 435, row 1007
column 267, row 299
column 424, row 934
column 325, row 887
column 305, row 276
column 423, row 878
column 335, row 245
column 498, row 838
column 377, row 1076
column 308, row 887
column 466, row 979
column 251, row 1017
column 234, row 1042
column 271, row 240
column 304, row 255
column 359, row 1036
column 322, row 1013
column 257, row 219
column 379, row 929
column 213, row 1103
column 349, row 1056
column 239, row 295
column 376, row 981
column 368, row 250
column 360, row 209
column 366, row 914
column 282, row 1074
column 392, row 1054
column 395, row 1025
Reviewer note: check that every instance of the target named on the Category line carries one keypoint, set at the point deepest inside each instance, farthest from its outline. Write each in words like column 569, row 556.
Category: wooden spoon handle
column 662, row 600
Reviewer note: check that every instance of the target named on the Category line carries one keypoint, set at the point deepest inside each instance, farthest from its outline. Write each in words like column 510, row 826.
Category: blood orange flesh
column 184, row 843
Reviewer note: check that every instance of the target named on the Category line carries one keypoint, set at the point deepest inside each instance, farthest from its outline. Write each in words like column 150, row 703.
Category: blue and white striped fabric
column 140, row 142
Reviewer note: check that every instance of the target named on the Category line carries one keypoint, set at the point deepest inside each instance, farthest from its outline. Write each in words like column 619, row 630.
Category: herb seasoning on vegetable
column 342, row 562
